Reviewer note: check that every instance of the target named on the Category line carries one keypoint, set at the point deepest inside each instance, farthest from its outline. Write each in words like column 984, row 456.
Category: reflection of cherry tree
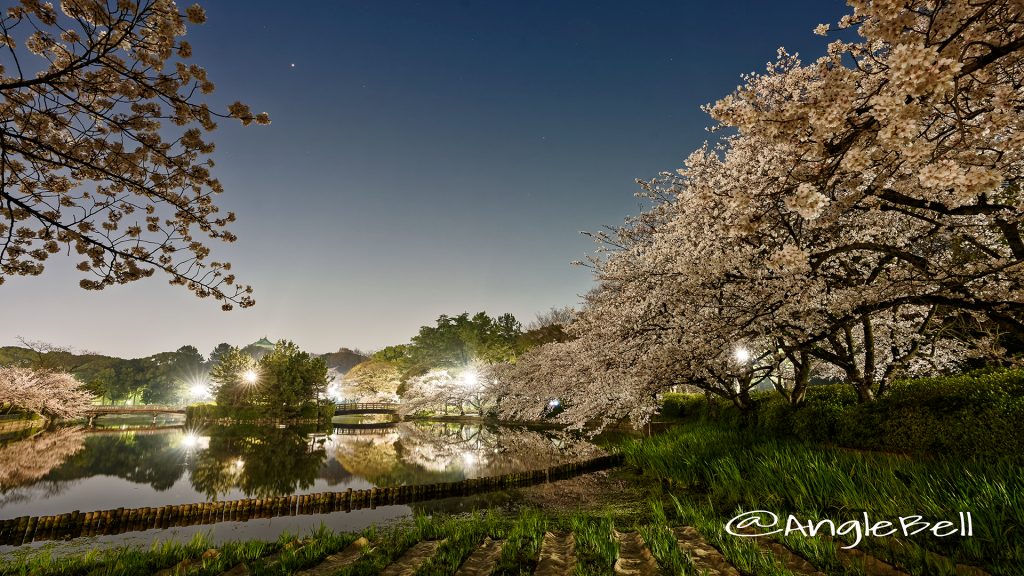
column 487, row 451
column 444, row 451
column 26, row 461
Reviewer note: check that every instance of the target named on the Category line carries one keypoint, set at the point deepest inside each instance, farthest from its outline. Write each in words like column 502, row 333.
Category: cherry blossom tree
column 103, row 147
column 46, row 392
column 472, row 388
column 865, row 209
column 371, row 380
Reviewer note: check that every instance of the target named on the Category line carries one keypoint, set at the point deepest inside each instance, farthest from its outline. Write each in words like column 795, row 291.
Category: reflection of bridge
column 135, row 430
column 100, row 410
column 366, row 408
column 375, row 429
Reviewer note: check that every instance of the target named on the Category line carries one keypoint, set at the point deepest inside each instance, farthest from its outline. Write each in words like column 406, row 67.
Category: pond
column 129, row 463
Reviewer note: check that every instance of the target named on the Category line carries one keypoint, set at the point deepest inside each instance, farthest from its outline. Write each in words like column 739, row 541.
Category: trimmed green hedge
column 244, row 413
column 976, row 414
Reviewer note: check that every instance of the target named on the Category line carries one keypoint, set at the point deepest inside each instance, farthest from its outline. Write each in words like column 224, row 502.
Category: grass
column 711, row 473
column 729, row 470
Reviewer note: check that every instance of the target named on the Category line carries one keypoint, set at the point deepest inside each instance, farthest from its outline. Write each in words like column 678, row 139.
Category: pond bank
column 17, row 531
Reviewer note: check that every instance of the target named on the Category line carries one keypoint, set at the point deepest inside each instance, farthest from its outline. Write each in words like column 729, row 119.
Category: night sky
column 425, row 158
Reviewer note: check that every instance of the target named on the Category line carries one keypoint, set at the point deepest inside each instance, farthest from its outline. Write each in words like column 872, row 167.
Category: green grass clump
column 737, row 470
column 462, row 534
column 522, row 545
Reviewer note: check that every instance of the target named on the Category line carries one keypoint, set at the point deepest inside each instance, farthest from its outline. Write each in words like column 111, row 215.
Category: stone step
column 634, row 557
column 335, row 562
column 702, row 555
column 413, row 558
column 557, row 555
column 483, row 560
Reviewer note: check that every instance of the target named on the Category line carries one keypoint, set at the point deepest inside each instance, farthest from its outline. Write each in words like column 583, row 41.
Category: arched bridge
column 366, row 408
column 135, row 409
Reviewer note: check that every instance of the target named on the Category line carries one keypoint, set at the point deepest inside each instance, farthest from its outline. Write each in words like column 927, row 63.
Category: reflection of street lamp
column 190, row 440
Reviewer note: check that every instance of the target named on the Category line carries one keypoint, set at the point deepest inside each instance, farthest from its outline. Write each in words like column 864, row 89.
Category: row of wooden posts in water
column 17, row 531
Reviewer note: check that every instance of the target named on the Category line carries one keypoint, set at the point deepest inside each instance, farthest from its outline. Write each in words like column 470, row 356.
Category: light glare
column 742, row 355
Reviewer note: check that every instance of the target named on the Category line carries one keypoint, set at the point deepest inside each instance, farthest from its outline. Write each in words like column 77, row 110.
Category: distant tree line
column 455, row 342
column 167, row 377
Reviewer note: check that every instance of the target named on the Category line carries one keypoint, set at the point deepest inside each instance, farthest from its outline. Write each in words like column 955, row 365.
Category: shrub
column 974, row 414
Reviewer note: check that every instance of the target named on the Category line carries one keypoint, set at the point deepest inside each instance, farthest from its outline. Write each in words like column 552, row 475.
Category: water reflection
column 89, row 469
column 260, row 461
column 26, row 461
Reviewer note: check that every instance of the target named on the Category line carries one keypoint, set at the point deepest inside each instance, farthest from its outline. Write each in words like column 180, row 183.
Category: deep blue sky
column 425, row 158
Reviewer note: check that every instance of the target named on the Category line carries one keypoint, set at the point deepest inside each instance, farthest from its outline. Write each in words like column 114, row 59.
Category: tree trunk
column 801, row 379
column 865, row 394
column 743, row 401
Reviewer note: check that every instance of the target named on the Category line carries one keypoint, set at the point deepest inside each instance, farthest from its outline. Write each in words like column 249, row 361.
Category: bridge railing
column 126, row 408
column 353, row 406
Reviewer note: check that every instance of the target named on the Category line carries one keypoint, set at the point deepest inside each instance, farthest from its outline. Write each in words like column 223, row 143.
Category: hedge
column 250, row 413
column 978, row 414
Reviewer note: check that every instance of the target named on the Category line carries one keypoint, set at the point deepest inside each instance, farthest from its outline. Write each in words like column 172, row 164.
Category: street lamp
column 198, row 390
column 742, row 355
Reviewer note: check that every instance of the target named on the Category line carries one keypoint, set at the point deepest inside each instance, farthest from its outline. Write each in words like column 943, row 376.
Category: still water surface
column 122, row 464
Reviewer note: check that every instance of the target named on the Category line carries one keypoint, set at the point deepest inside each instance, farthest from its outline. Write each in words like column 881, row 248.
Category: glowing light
column 190, row 440
column 198, row 390
column 742, row 355
column 469, row 458
column 554, row 403
column 238, row 464
column 470, row 378
column 250, row 376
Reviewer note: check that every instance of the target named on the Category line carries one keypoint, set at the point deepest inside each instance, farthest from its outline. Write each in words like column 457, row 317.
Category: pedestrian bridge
column 366, row 408
column 96, row 411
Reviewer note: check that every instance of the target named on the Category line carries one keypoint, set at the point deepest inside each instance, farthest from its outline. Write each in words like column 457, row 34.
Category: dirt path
column 339, row 560
column 483, row 560
column 413, row 558
column 704, row 556
column 557, row 555
column 634, row 557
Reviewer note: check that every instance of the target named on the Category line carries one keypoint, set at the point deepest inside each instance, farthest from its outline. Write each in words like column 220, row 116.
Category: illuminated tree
column 230, row 386
column 861, row 218
column 289, row 378
column 102, row 146
column 472, row 388
column 374, row 378
column 45, row 392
